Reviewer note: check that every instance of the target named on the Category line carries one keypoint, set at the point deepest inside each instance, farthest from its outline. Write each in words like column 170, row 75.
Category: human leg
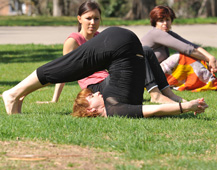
column 158, row 97
column 13, row 97
column 85, row 60
column 169, row 93
column 162, row 94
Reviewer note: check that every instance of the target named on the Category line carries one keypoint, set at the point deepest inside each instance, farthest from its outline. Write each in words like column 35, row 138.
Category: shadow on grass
column 48, row 113
column 14, row 83
column 8, row 83
column 29, row 53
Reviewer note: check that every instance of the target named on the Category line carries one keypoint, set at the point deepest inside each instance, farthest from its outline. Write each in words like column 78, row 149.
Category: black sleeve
column 114, row 108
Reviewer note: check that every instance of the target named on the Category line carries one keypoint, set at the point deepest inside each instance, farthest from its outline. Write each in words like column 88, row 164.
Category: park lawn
column 180, row 142
column 72, row 21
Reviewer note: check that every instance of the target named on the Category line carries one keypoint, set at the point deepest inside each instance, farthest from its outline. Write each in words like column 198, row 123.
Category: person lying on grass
column 89, row 16
column 120, row 52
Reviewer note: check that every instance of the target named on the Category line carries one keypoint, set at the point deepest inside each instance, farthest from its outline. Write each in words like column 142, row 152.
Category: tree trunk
column 58, row 7
column 213, row 8
column 140, row 9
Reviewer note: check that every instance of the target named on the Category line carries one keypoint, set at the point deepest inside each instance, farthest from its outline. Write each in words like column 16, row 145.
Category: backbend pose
column 184, row 70
column 120, row 52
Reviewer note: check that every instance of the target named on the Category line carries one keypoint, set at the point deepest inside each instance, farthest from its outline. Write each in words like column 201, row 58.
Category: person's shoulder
column 155, row 32
column 74, row 35
column 159, row 31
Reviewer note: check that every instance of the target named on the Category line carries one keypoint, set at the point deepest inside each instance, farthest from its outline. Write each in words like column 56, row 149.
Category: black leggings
column 154, row 73
column 120, row 52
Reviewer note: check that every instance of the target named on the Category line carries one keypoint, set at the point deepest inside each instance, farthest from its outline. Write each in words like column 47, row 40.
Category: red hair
column 160, row 12
column 81, row 104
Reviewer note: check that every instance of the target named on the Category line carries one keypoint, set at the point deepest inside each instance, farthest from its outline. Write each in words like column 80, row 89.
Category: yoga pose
column 120, row 52
column 186, row 70
column 89, row 15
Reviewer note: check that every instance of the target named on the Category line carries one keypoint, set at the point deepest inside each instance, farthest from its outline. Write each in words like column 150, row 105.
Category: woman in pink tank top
column 89, row 16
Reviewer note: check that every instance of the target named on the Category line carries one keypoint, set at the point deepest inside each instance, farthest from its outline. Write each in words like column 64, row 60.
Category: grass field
column 72, row 21
column 180, row 142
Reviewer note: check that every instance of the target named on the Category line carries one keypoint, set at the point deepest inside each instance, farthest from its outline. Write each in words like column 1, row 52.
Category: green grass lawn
column 180, row 142
column 72, row 21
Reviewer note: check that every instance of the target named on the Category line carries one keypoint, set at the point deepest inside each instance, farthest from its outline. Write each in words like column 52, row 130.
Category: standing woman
column 186, row 70
column 89, row 16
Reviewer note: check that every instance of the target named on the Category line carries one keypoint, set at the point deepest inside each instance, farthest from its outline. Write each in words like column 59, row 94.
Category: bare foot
column 11, row 105
column 169, row 93
column 20, row 102
column 177, row 98
column 160, row 98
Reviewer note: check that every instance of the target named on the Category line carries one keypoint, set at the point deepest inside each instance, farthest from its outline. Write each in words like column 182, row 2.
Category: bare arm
column 69, row 45
column 197, row 106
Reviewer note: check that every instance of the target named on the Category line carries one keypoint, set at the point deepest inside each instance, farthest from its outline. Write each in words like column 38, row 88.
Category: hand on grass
column 198, row 106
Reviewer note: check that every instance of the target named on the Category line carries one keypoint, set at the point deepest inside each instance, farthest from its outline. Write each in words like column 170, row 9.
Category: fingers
column 201, row 106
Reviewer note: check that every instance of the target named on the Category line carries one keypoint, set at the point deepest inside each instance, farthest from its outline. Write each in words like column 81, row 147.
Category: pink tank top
column 96, row 77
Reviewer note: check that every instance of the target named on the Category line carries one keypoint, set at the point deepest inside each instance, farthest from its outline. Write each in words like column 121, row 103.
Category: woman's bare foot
column 20, row 102
column 11, row 104
column 158, row 97
column 169, row 93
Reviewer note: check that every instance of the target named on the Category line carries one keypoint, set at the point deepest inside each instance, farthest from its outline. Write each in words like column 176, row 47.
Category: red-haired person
column 120, row 52
column 89, row 16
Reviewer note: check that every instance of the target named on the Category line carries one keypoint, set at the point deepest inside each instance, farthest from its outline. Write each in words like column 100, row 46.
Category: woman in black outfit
column 120, row 52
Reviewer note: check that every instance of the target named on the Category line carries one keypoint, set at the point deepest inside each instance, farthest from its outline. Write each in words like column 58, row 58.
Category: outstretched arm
column 178, row 43
column 198, row 53
column 197, row 106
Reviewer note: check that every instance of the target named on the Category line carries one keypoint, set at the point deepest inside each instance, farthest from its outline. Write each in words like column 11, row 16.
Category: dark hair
column 160, row 12
column 86, row 7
